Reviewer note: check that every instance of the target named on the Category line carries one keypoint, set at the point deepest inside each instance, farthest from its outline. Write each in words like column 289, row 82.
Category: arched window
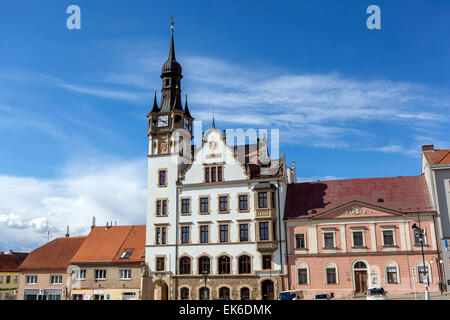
column 224, row 265
column 204, row 264
column 302, row 273
column 360, row 265
column 244, row 264
column 245, row 293
column 184, row 293
column 224, row 293
column 204, row 293
column 331, row 273
column 391, row 272
column 185, row 265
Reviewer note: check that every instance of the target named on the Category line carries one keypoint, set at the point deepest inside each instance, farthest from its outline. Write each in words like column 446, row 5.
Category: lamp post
column 205, row 275
column 419, row 232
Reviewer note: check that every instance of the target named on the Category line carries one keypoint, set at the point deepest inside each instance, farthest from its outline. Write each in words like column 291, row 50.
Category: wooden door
column 360, row 281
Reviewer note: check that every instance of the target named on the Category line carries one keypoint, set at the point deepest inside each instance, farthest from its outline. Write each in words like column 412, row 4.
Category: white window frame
column 81, row 274
column 33, row 277
column 102, row 273
column 391, row 264
column 58, row 279
column 125, row 274
column 334, row 239
column 302, row 265
column 304, row 240
column 353, row 230
column 383, row 229
column 331, row 265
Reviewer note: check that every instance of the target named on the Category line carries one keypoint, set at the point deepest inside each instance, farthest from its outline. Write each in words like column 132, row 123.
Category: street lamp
column 205, row 275
column 419, row 232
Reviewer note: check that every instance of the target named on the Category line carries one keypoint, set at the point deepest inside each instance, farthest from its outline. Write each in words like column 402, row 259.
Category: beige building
column 110, row 265
column 44, row 272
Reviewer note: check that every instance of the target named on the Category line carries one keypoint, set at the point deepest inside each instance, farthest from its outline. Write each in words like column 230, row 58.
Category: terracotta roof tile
column 104, row 245
column 403, row 194
column 438, row 157
column 54, row 255
column 9, row 263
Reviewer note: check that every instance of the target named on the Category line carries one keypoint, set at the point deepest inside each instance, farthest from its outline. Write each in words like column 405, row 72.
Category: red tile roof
column 437, row 157
column 402, row 194
column 104, row 245
column 54, row 255
column 9, row 263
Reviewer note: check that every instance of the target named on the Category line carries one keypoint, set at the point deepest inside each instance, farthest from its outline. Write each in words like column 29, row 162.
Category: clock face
column 163, row 121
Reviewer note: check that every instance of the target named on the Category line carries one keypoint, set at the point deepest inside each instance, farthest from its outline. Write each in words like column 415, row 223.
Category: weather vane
column 173, row 22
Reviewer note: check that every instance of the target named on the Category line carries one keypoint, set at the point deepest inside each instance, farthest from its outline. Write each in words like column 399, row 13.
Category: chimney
column 93, row 223
column 10, row 251
column 106, row 228
column 67, row 233
column 428, row 148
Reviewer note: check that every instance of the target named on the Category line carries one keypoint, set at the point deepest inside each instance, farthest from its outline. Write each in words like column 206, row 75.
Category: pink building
column 345, row 236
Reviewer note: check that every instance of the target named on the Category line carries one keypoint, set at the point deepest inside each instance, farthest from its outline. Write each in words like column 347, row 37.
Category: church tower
column 170, row 134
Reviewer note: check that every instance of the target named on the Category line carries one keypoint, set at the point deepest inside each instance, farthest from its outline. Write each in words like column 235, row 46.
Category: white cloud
column 109, row 191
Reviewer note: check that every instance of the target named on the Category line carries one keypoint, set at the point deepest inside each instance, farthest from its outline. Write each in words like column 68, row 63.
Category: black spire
column 171, row 76
column 155, row 108
column 186, row 109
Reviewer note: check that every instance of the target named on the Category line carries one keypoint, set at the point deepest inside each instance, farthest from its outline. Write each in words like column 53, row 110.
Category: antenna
column 67, row 233
column 48, row 236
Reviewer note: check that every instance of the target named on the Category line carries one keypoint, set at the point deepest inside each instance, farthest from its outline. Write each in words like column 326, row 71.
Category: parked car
column 376, row 293
column 322, row 296
column 291, row 295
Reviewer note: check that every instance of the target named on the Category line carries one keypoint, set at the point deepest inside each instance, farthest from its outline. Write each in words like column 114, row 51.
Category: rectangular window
column 331, row 275
column 160, row 264
column 161, row 207
column 8, row 279
column 388, row 237
column 185, row 234
column 31, row 279
column 204, row 230
column 223, row 203
column 206, row 174
column 262, row 199
column 263, row 231
column 16, row 279
column 422, row 272
column 358, row 240
column 391, row 273
column 213, row 174
column 300, row 241
column 125, row 274
column 100, row 274
column 161, row 235
column 302, row 274
column 328, row 238
column 223, row 233
column 273, row 199
column 417, row 237
column 204, row 205
column 81, row 274
column 243, row 202
column 243, row 232
column 162, row 178
column 55, row 279
column 126, row 255
column 185, row 206
column 267, row 262
column 219, row 173
column 1, row 279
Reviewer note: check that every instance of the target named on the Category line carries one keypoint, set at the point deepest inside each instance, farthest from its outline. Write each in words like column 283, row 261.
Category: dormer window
column 126, row 255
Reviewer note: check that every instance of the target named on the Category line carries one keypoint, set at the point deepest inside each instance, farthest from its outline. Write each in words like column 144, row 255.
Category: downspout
column 438, row 262
column 176, row 245
column 279, row 238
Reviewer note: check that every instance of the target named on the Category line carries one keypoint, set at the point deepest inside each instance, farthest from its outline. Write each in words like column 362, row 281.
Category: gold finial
column 173, row 23
column 156, row 90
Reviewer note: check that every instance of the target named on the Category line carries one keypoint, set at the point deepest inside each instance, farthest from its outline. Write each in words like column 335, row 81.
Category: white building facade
column 214, row 211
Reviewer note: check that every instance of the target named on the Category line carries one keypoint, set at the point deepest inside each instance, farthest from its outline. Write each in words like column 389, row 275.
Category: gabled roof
column 437, row 157
column 401, row 194
column 107, row 245
column 11, row 262
column 54, row 255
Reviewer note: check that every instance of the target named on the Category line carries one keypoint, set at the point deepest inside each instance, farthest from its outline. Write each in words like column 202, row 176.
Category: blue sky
column 349, row 102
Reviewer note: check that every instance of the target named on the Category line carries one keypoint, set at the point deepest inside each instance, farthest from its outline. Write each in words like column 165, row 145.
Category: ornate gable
column 355, row 210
